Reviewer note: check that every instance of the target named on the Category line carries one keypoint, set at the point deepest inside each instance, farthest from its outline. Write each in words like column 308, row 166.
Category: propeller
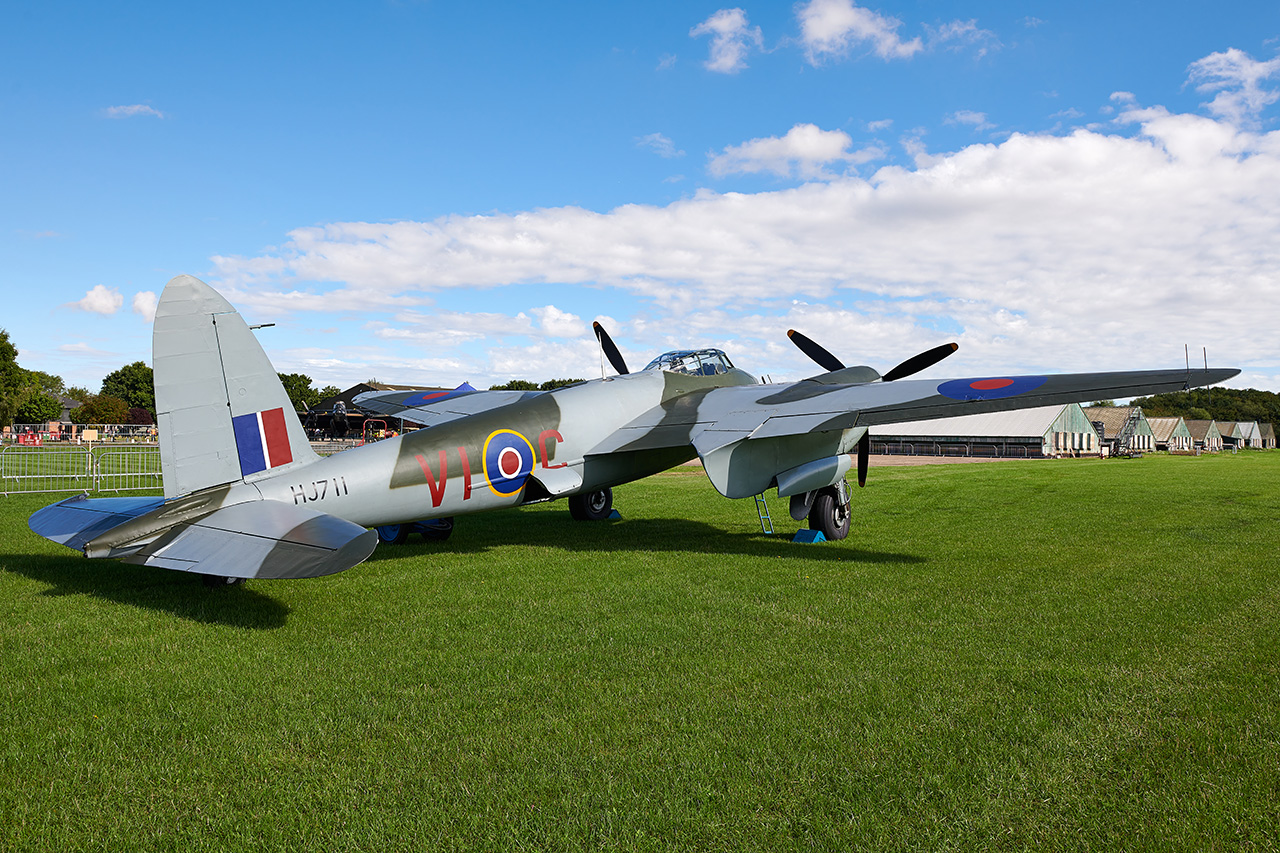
column 917, row 363
column 815, row 351
column 823, row 357
column 610, row 350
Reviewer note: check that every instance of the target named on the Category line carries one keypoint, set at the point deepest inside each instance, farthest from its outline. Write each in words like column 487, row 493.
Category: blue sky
column 430, row 193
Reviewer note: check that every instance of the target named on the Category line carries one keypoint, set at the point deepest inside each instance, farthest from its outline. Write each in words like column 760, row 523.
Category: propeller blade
column 817, row 352
column 610, row 350
column 864, row 458
column 917, row 363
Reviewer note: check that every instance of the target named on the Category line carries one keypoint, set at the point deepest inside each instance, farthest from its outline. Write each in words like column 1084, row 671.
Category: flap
column 559, row 481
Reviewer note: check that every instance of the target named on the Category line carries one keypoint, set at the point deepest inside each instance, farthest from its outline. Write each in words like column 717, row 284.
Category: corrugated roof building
column 1124, row 429
column 1206, row 436
column 1172, row 435
column 1025, row 433
column 1232, row 437
column 1252, row 437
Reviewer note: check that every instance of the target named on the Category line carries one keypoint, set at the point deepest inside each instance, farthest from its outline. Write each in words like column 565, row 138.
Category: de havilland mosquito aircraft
column 245, row 496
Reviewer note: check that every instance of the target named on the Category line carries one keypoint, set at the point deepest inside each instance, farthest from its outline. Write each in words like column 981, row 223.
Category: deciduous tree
column 134, row 384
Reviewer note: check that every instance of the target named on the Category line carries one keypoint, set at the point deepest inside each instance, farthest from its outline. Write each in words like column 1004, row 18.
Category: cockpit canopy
column 695, row 362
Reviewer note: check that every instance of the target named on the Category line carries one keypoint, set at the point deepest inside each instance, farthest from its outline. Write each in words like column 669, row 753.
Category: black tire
column 591, row 506
column 828, row 515
column 394, row 534
column 436, row 529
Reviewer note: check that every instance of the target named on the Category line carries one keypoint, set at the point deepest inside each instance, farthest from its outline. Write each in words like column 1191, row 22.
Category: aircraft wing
column 435, row 407
column 257, row 539
column 762, row 431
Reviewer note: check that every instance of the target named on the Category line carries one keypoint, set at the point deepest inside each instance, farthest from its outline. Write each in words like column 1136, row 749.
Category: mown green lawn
column 1078, row 655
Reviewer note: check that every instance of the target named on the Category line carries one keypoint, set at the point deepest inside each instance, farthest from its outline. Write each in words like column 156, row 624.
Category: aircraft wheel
column 829, row 515
column 591, row 506
column 436, row 529
column 394, row 534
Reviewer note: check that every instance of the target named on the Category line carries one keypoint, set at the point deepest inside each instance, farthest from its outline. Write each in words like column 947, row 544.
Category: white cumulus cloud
column 144, row 303
column 1237, row 79
column 1095, row 249
column 832, row 28
column 806, row 150
column 559, row 324
column 732, row 38
column 101, row 300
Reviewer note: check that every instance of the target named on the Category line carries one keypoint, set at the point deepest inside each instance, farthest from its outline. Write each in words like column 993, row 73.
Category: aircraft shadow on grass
column 188, row 597
column 479, row 534
column 184, row 596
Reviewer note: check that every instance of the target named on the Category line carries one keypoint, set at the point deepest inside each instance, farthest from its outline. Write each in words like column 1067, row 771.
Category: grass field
column 1072, row 655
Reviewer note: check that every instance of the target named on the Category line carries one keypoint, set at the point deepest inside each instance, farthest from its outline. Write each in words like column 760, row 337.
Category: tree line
column 1219, row 404
column 126, row 396
column 526, row 385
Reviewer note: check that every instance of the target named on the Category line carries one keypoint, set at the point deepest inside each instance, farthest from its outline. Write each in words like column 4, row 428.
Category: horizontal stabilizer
column 76, row 521
column 261, row 539
column 432, row 408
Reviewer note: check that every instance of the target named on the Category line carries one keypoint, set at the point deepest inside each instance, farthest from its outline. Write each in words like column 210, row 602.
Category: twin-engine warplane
column 245, row 496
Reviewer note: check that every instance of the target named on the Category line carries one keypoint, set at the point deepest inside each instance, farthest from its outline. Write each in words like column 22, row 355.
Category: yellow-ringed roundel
column 509, row 459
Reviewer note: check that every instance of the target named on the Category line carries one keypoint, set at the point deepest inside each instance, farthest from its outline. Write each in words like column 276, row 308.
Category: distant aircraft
column 246, row 497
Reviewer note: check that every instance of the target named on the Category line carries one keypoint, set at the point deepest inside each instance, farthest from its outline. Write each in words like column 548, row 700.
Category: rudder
column 222, row 413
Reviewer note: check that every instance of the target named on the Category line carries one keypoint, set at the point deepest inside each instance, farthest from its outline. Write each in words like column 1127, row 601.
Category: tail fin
column 223, row 414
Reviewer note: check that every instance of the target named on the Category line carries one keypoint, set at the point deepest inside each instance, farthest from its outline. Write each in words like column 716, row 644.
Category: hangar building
column 1206, row 436
column 1123, row 429
column 1026, row 433
column 1172, row 435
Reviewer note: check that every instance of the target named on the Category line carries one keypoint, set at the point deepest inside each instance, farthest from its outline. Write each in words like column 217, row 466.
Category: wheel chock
column 614, row 516
column 809, row 537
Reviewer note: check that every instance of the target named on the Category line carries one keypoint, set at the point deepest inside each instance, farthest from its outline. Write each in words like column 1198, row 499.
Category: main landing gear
column 827, row 509
column 591, row 506
column 432, row 530
column 830, row 512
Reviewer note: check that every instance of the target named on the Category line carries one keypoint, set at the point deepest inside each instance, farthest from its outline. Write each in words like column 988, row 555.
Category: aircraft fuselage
column 534, row 449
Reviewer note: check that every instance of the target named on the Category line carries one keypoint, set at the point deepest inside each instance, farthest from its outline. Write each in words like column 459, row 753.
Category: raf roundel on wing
column 990, row 388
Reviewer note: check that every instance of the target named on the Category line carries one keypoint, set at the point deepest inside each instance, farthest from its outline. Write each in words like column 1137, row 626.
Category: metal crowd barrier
column 26, row 470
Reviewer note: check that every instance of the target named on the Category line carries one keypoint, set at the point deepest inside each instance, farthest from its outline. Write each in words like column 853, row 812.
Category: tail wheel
column 829, row 515
column 591, row 506
column 393, row 534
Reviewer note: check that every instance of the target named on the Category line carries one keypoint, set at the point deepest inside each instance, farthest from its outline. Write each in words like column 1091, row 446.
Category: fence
column 63, row 467
column 104, row 433
column 66, row 468
column 1003, row 450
